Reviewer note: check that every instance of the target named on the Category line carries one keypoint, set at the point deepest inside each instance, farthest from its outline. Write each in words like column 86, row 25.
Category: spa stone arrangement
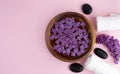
column 71, row 37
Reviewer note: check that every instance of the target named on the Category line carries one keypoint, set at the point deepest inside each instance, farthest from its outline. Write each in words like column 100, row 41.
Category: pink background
column 22, row 30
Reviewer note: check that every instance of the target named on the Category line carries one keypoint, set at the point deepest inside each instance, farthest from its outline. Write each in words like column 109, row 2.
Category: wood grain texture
column 78, row 17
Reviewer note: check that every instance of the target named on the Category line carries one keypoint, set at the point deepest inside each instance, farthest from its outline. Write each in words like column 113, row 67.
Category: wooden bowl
column 78, row 17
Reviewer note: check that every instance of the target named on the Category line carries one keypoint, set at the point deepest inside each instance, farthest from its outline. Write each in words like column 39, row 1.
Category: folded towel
column 115, row 15
column 108, row 23
column 98, row 66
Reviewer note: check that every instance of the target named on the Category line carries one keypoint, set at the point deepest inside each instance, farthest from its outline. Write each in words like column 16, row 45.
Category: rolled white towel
column 108, row 23
column 98, row 66
column 114, row 15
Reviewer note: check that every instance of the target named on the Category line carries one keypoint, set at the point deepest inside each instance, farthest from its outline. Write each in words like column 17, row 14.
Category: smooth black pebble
column 101, row 53
column 86, row 8
column 76, row 67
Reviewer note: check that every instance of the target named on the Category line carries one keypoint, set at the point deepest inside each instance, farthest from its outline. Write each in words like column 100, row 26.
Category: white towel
column 98, row 66
column 108, row 23
column 115, row 15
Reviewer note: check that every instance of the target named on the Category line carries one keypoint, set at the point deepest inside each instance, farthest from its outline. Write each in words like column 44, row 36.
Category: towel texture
column 98, row 66
column 110, row 23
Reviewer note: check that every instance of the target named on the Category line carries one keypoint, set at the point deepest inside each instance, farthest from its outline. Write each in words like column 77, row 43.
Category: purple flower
column 78, row 53
column 59, row 50
column 82, row 24
column 63, row 51
column 112, row 44
column 68, row 36
column 73, row 54
column 75, row 50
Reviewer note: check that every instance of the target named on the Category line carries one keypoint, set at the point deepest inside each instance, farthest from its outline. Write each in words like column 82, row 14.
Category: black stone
column 86, row 8
column 101, row 53
column 76, row 67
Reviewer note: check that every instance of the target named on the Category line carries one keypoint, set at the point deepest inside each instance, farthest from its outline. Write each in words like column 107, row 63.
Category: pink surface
column 22, row 29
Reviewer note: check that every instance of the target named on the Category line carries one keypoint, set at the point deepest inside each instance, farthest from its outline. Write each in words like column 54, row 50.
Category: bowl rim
column 47, row 34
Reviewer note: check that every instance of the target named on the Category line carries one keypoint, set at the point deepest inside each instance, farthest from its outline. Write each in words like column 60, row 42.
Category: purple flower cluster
column 70, row 37
column 112, row 44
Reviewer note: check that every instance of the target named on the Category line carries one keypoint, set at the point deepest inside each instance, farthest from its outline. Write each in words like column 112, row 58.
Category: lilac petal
column 77, row 24
column 82, row 24
column 82, row 49
column 68, row 36
column 75, row 50
column 85, row 46
column 59, row 50
column 115, row 61
column 56, row 47
column 68, row 51
column 57, row 41
column 72, row 54
column 63, row 51
column 78, row 53
column 66, row 45
column 112, row 44
column 52, row 37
